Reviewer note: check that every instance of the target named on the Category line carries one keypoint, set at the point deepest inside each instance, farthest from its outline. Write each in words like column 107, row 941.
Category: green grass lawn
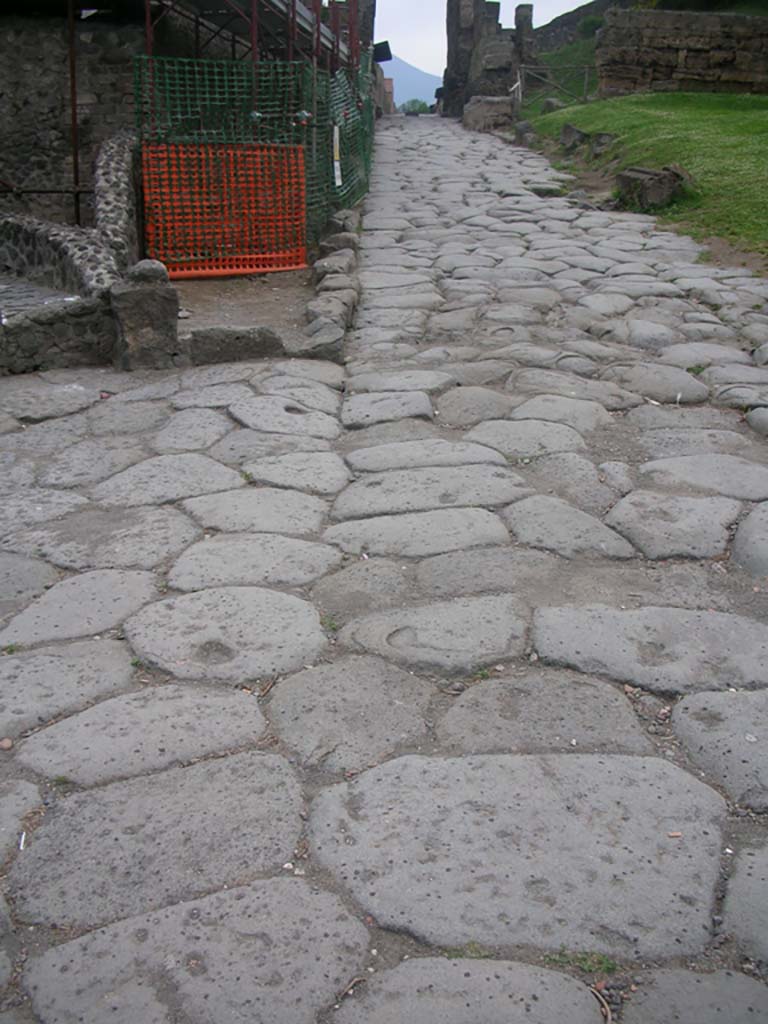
column 565, row 69
column 720, row 139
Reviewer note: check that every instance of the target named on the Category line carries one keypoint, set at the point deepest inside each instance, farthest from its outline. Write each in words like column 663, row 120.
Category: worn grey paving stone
column 142, row 844
column 417, row 490
column 215, row 396
column 758, row 420
column 8, row 423
column 582, row 415
column 191, row 429
column 90, row 462
column 746, row 901
column 275, row 414
column 545, row 712
column 307, row 393
column 696, row 354
column 118, row 417
column 444, row 991
column 51, row 681
column 266, row 509
column 110, row 538
column 454, row 637
column 416, row 534
column 508, row 569
column 411, row 454
column 233, row 634
column 21, row 580
column 35, row 505
column 667, row 384
column 363, row 410
column 241, row 446
column 667, row 650
column 17, row 799
column 555, row 382
column 16, row 472
column 750, row 545
column 143, row 732
column 551, row 851
column 554, row 525
column 402, row 380
column 672, row 442
column 574, row 478
column 33, row 400
column 47, row 438
column 668, row 526
column 729, row 475
column 705, row 417
column 367, row 585
column 526, row 438
column 726, row 734
column 81, row 605
column 252, row 559
column 466, row 406
column 276, row 951
column 684, row 997
column 313, row 472
column 166, row 478
column 320, row 370
column 351, row 714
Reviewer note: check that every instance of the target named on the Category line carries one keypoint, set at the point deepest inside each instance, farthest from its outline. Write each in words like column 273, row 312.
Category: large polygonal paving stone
column 729, row 475
column 310, row 394
column 526, row 438
column 432, row 991
column 555, row 525
column 668, row 650
column 33, row 505
column 555, row 382
column 134, row 846
column 32, row 399
column 21, row 580
column 661, row 383
column 549, row 851
column 413, row 454
column 683, row 997
column 252, row 559
column 99, row 538
column 266, row 509
column 351, row 714
column 91, row 461
column 367, row 585
column 454, row 637
column 419, row 533
column 750, row 545
column 314, row 472
column 241, row 445
column 577, row 413
column 667, row 526
column 17, row 799
column 191, row 429
column 541, row 713
column 46, row 438
column 463, row 407
column 507, row 569
column 417, row 490
column 143, row 732
column 214, row 396
column 127, row 417
column 704, row 417
column 16, row 471
column 363, row 410
column 403, row 380
column 228, row 633
column 80, row 606
column 276, row 414
column 574, row 478
column 673, row 442
column 726, row 734
column 52, row 681
column 746, row 903
column 275, row 951
column 166, row 478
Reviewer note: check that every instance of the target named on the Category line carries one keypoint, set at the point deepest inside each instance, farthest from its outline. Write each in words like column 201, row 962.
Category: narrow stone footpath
column 429, row 689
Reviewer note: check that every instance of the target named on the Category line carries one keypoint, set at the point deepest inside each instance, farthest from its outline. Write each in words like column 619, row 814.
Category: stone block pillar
column 146, row 307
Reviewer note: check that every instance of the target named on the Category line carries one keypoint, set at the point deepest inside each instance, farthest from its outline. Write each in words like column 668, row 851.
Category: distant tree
column 414, row 107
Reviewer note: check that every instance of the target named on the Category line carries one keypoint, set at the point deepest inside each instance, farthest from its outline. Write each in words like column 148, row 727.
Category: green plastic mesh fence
column 279, row 103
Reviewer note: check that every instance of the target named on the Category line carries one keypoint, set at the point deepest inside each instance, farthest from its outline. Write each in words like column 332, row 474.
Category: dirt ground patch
column 257, row 300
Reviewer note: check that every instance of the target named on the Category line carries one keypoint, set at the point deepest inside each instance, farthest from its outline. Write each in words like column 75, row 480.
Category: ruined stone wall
column 565, row 29
column 669, row 51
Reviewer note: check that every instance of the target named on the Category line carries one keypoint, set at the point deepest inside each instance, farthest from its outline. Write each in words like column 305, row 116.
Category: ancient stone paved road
column 434, row 690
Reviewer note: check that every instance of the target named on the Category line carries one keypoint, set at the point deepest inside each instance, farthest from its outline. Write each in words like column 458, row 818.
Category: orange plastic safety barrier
column 219, row 209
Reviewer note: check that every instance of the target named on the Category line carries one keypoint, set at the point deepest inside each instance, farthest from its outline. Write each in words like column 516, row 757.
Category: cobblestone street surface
column 428, row 689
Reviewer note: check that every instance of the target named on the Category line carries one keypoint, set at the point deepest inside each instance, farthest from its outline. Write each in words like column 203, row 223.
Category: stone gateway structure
column 671, row 51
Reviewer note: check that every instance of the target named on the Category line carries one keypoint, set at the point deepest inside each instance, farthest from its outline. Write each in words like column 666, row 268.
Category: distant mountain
column 411, row 83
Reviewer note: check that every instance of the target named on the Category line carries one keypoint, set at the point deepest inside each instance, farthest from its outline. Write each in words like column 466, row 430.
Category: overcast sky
column 416, row 28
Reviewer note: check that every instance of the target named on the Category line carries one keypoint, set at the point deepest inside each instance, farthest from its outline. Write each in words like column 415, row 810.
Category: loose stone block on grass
column 440, row 991
column 138, row 845
column 166, row 478
column 667, row 650
column 51, row 681
column 454, row 637
column 233, row 634
column 551, row 851
column 143, row 732
column 252, row 559
column 419, row 533
column 276, row 951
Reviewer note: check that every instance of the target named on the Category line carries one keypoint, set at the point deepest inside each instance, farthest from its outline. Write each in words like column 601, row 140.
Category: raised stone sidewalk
column 433, row 688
